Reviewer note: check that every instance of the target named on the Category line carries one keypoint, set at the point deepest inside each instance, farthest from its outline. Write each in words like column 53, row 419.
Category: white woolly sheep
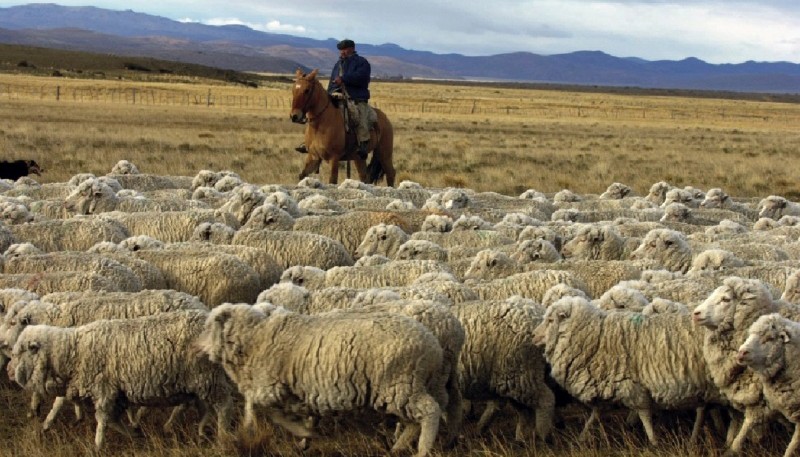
column 727, row 314
column 93, row 196
column 269, row 216
column 599, row 242
column 658, row 192
column 242, row 201
column 531, row 284
column 149, row 361
column 383, row 362
column 351, row 227
column 791, row 292
column 421, row 250
column 320, row 205
column 372, row 260
column 228, row 183
column 124, row 167
column 666, row 248
column 499, row 362
column 77, row 234
column 285, row 202
column 621, row 297
column 465, row 222
column 394, row 273
column 771, row 349
column 310, row 277
column 560, row 291
column 715, row 260
column 381, row 239
column 776, row 207
column 169, row 226
column 437, row 223
column 617, row 191
column 14, row 213
column 663, row 367
column 296, row 247
column 213, row 232
column 528, row 251
column 662, row 306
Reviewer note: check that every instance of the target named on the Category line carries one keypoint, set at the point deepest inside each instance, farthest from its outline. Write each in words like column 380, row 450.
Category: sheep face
column 764, row 350
column 303, row 275
column 715, row 260
column 616, row 191
column 556, row 320
column 587, row 243
column 772, row 207
column 791, row 292
column 223, row 336
column 421, row 250
column 732, row 304
column 715, row 198
column 666, row 247
column 437, row 223
column 535, row 251
column 381, row 239
column 486, row 263
column 30, row 364
column 91, row 196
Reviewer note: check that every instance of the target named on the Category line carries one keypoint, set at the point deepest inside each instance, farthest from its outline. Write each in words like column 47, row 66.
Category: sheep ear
column 562, row 314
column 223, row 316
column 25, row 320
column 34, row 346
column 784, row 336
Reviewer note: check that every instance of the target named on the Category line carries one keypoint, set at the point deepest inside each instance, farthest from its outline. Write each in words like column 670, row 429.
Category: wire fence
column 280, row 100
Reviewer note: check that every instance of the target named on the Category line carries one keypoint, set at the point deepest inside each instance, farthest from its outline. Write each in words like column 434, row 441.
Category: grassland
column 486, row 138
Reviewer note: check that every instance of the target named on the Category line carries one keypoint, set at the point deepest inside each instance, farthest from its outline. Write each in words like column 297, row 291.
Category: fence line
column 468, row 107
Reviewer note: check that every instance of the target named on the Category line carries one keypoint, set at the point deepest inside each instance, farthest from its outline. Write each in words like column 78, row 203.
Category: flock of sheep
column 131, row 291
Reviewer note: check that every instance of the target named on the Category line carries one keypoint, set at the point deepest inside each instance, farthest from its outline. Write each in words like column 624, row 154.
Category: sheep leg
column 36, row 403
column 738, row 442
column 492, row 407
column 733, row 428
column 297, row 429
column 699, row 417
column 454, row 414
column 224, row 410
column 545, row 413
column 425, row 411
column 173, row 415
column 646, row 416
column 407, row 433
column 76, row 407
column 588, row 425
column 249, row 421
column 792, row 447
column 525, row 421
column 58, row 403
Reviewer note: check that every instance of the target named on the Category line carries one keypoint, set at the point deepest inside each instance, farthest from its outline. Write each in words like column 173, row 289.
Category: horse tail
column 375, row 169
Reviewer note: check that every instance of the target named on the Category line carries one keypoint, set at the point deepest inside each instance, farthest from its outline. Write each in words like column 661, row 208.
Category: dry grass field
column 501, row 139
column 485, row 138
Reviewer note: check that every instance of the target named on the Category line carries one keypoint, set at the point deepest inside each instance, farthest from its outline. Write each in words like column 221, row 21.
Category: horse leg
column 311, row 166
column 361, row 168
column 334, row 171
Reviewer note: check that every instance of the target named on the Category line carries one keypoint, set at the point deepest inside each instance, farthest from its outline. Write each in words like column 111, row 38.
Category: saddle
column 350, row 113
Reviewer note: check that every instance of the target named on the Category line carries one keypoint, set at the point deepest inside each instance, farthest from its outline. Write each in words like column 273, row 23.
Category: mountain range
column 241, row 48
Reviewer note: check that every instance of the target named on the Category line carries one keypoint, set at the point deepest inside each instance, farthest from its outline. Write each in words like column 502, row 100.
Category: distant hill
column 243, row 49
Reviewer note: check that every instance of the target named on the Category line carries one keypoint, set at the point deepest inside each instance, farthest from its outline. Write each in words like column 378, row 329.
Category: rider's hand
column 338, row 81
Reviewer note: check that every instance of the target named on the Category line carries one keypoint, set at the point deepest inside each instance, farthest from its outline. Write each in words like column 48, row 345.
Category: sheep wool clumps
column 243, row 201
column 262, row 262
column 663, row 367
column 331, row 363
column 395, row 273
column 560, row 291
column 215, row 278
column 297, row 248
column 772, row 350
column 77, row 234
column 530, row 284
column 94, row 196
column 60, row 281
column 269, row 216
column 499, row 362
column 528, row 251
column 775, row 207
column 145, row 182
column 148, row 361
column 213, row 232
column 439, row 223
column 791, row 292
column 668, row 249
column 307, row 276
column 421, row 250
column 599, row 242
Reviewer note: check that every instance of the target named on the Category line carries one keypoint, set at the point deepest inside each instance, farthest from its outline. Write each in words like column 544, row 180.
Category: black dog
column 19, row 168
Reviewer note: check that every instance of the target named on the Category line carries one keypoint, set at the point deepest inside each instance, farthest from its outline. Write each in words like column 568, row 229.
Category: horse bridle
column 304, row 110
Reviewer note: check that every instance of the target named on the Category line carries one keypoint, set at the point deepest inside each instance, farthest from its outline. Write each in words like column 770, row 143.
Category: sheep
column 621, row 297
column 566, row 196
column 559, row 291
column 210, row 196
column 269, row 216
column 296, row 247
column 12, row 213
column 42, row 283
column 124, row 167
column 400, row 205
column 601, row 242
column 6, row 237
column 349, row 228
column 395, row 273
column 8, row 296
column 663, row 367
column 372, row 260
column 791, row 292
column 666, row 248
column 439, row 223
column 381, row 239
column 715, row 260
column 93, row 196
column 775, row 207
column 306, row 276
column 343, row 362
column 771, row 350
column 144, row 182
column 242, row 201
column 214, row 277
column 658, row 192
column 617, row 191
column 170, row 226
column 483, row 239
column 528, row 251
column 531, row 284
column 449, row 199
column 726, row 315
column 148, row 361
column 213, row 232
column 208, row 178
column 465, row 222
column 228, row 183
column 77, row 234
column 542, row 233
column 285, row 202
column 718, row 198
column 123, row 277
column 682, row 196
column 319, row 204
column 421, row 250
column 499, row 361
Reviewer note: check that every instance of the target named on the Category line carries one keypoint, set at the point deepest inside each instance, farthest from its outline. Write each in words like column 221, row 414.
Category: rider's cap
column 344, row 44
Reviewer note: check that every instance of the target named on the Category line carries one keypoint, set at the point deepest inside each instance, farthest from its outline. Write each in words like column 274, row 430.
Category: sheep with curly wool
column 124, row 167
column 169, row 226
column 351, row 227
column 541, row 250
column 319, row 204
column 331, row 363
column 213, row 232
column 726, row 315
column 617, row 191
column 530, row 284
column 621, row 297
column 285, row 202
column 791, row 292
column 560, row 291
column 13, row 213
column 147, row 361
column 269, row 216
column 394, row 273
column 665, row 248
column 381, row 239
column 662, row 306
column 663, row 368
column 772, row 350
column 291, row 248
column 483, row 239
column 421, row 250
column 715, row 260
column 94, row 196
column 439, row 223
column 307, row 276
column 499, row 362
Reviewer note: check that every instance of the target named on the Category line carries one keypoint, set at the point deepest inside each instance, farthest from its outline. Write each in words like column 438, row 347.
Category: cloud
column 270, row 26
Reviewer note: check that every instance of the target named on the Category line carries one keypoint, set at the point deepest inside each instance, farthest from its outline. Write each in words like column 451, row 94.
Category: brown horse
column 326, row 138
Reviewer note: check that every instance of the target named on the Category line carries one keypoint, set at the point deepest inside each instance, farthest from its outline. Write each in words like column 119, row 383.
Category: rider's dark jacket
column 355, row 76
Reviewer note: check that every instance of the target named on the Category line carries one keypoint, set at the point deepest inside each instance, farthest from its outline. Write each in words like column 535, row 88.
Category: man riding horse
column 350, row 77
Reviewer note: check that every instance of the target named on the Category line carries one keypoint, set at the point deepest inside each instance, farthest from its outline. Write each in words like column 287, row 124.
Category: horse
column 327, row 139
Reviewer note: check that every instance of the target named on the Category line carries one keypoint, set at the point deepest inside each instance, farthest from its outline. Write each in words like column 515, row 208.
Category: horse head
column 305, row 94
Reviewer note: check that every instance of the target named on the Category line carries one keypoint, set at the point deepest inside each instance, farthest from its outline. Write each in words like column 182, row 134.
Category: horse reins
column 308, row 101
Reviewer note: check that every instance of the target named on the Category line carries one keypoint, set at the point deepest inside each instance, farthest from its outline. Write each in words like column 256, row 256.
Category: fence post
column 58, row 93
column 134, row 96
column 208, row 100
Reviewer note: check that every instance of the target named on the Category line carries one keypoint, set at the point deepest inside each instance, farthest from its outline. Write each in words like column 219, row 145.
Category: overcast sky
column 730, row 31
